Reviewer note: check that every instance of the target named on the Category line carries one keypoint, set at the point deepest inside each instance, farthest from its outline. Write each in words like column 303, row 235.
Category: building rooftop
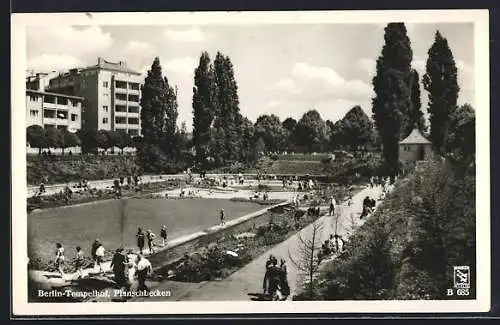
column 52, row 94
column 112, row 66
column 415, row 137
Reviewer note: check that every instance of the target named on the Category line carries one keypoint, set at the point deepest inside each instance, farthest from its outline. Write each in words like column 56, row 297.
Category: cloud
column 139, row 48
column 273, row 103
column 68, row 40
column 317, row 87
column 326, row 82
column 366, row 65
column 53, row 62
column 186, row 35
column 184, row 65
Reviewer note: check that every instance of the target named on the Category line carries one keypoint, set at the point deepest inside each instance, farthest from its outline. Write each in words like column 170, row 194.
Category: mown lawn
column 79, row 226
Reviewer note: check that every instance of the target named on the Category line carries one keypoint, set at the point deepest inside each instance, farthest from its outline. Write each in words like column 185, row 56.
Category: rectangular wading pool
column 80, row 225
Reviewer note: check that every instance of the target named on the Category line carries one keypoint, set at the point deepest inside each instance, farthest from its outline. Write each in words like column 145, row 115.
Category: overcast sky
column 280, row 69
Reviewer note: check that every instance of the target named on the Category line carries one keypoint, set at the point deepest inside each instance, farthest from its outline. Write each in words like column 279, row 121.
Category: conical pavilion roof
column 415, row 137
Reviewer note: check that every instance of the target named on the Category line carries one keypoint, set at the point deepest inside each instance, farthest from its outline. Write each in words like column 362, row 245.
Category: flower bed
column 211, row 261
column 79, row 196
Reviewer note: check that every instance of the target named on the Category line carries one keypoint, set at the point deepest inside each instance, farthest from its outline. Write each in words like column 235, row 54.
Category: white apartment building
column 111, row 92
column 53, row 110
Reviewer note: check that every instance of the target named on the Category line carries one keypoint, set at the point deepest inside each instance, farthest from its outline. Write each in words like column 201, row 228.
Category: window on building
column 105, row 84
column 133, row 98
column 33, row 113
column 105, row 107
column 120, row 120
column 133, row 109
column 120, row 108
column 134, row 86
column 62, row 101
column 133, row 120
column 74, row 102
column 33, row 98
column 121, row 96
column 49, row 113
column 104, row 120
column 74, row 117
column 121, row 84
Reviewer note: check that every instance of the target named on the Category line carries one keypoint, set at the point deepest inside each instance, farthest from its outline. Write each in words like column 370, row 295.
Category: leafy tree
column 69, row 140
column 440, row 80
column 289, row 124
column 311, row 131
column 123, row 139
column 356, row 129
column 260, row 145
column 462, row 134
column 89, row 139
column 104, row 139
column 36, row 137
column 204, row 106
column 269, row 129
column 249, row 153
column 54, row 138
column 392, row 86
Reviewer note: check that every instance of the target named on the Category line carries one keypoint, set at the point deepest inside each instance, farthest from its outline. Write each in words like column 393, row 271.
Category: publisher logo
column 461, row 281
column 461, row 276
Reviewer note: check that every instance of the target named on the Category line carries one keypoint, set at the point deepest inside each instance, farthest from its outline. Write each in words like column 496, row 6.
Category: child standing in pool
column 222, row 217
column 163, row 234
column 60, row 258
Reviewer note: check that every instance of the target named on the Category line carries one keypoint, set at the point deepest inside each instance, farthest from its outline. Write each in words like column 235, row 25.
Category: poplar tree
column 392, row 104
column 204, row 106
column 440, row 80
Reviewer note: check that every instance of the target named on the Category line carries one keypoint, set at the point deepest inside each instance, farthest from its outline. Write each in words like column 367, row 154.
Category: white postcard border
column 19, row 22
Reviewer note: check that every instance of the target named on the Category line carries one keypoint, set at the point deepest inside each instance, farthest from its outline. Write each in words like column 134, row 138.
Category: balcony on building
column 133, row 88
column 121, row 110
column 133, row 121
column 133, row 111
column 121, row 99
column 121, row 86
column 133, row 98
column 121, row 120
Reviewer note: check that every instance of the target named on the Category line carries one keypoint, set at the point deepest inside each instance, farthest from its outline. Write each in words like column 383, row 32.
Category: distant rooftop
column 31, row 91
column 415, row 137
column 121, row 66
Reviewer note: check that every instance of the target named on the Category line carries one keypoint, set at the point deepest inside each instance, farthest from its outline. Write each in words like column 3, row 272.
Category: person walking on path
column 100, row 257
column 285, row 287
column 222, row 217
column 163, row 235
column 140, row 239
column 144, row 268
column 332, row 205
column 118, row 264
column 60, row 259
column 151, row 236
column 79, row 262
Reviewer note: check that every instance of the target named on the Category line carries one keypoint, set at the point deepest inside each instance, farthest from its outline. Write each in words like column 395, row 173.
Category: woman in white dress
column 132, row 265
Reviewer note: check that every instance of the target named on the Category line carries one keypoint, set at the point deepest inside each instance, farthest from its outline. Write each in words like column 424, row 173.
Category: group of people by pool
column 125, row 266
